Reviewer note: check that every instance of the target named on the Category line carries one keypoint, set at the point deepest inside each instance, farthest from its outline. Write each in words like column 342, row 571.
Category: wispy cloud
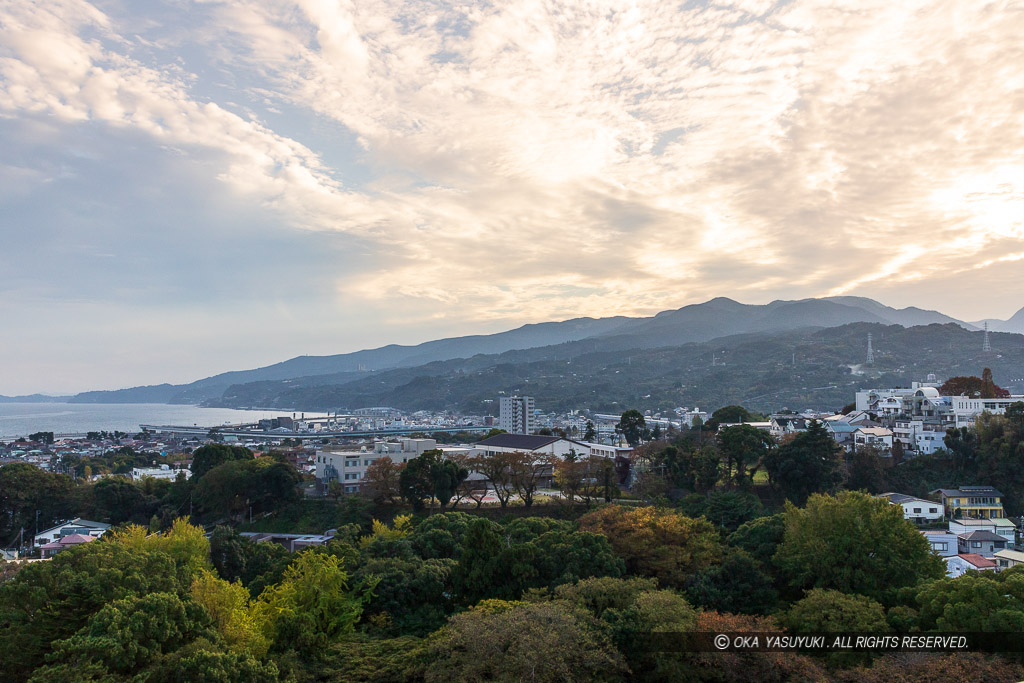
column 526, row 160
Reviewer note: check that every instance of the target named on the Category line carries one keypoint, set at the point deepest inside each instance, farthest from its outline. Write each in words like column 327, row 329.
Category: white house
column 957, row 565
column 876, row 437
column 1008, row 558
column 943, row 543
column 80, row 526
column 915, row 509
column 997, row 525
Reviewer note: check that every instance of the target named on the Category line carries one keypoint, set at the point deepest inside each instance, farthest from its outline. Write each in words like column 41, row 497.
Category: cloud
column 528, row 160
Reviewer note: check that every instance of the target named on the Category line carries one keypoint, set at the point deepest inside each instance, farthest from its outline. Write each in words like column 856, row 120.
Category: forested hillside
column 812, row 368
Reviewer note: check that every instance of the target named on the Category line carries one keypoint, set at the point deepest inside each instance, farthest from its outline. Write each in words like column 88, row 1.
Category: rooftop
column 981, row 536
column 968, row 491
column 977, row 560
column 522, row 442
column 897, row 498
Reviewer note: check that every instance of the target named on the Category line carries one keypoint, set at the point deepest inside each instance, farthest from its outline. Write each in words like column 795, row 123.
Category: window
column 942, row 547
column 933, row 509
column 917, row 511
column 975, row 544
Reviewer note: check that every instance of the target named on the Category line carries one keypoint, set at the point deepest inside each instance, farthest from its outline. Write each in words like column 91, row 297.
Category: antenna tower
column 986, row 346
column 871, row 353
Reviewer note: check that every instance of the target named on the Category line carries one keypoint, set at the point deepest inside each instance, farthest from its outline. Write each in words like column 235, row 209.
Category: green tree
column 743, row 448
column 501, row 562
column 50, row 601
column 238, row 559
column 25, row 489
column 729, row 415
column 631, row 425
column 591, row 433
column 447, row 475
column 854, row 543
column 413, row 596
column 205, row 458
column 974, row 602
column 738, row 585
column 312, row 606
column 809, row 463
column 864, row 470
column 760, row 537
column 128, row 635
column 542, row 642
column 416, row 481
column 119, row 500
column 727, row 510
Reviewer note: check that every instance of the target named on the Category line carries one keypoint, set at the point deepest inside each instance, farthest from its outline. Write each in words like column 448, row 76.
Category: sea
column 22, row 419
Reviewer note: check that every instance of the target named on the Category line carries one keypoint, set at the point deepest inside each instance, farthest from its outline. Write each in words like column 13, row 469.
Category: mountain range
column 691, row 325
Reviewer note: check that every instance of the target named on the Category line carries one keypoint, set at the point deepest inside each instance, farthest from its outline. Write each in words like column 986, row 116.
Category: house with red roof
column 957, row 565
column 51, row 549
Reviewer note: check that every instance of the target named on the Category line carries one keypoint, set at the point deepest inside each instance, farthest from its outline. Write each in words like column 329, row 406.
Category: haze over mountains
column 697, row 323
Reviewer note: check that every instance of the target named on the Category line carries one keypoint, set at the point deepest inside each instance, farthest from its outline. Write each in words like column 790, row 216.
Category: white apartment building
column 966, row 410
column 162, row 472
column 348, row 467
column 515, row 414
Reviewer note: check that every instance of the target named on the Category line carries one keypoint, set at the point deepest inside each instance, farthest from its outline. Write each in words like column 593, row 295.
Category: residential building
column 531, row 443
column 916, row 510
column 348, row 467
column 1008, row 558
column 162, row 472
column 876, row 437
column 977, row 502
column 79, row 526
column 957, row 565
column 943, row 543
column 966, row 410
column 515, row 414
column 782, row 425
column 984, row 543
column 48, row 550
column 923, row 437
column 997, row 525
column 841, row 432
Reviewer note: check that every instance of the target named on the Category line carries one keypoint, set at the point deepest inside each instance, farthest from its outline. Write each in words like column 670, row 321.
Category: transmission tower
column 986, row 346
column 871, row 353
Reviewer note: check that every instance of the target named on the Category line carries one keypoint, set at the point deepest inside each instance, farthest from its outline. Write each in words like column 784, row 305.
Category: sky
column 194, row 186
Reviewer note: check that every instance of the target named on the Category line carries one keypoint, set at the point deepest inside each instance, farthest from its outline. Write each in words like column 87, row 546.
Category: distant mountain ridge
column 719, row 317
column 1014, row 323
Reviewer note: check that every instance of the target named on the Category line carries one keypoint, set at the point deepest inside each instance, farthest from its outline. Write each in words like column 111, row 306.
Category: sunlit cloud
column 521, row 161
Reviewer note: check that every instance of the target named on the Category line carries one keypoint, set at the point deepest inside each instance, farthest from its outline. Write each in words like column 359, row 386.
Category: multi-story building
column 997, row 525
column 915, row 509
column 966, row 410
column 515, row 414
column 943, row 543
column 348, row 467
column 976, row 502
